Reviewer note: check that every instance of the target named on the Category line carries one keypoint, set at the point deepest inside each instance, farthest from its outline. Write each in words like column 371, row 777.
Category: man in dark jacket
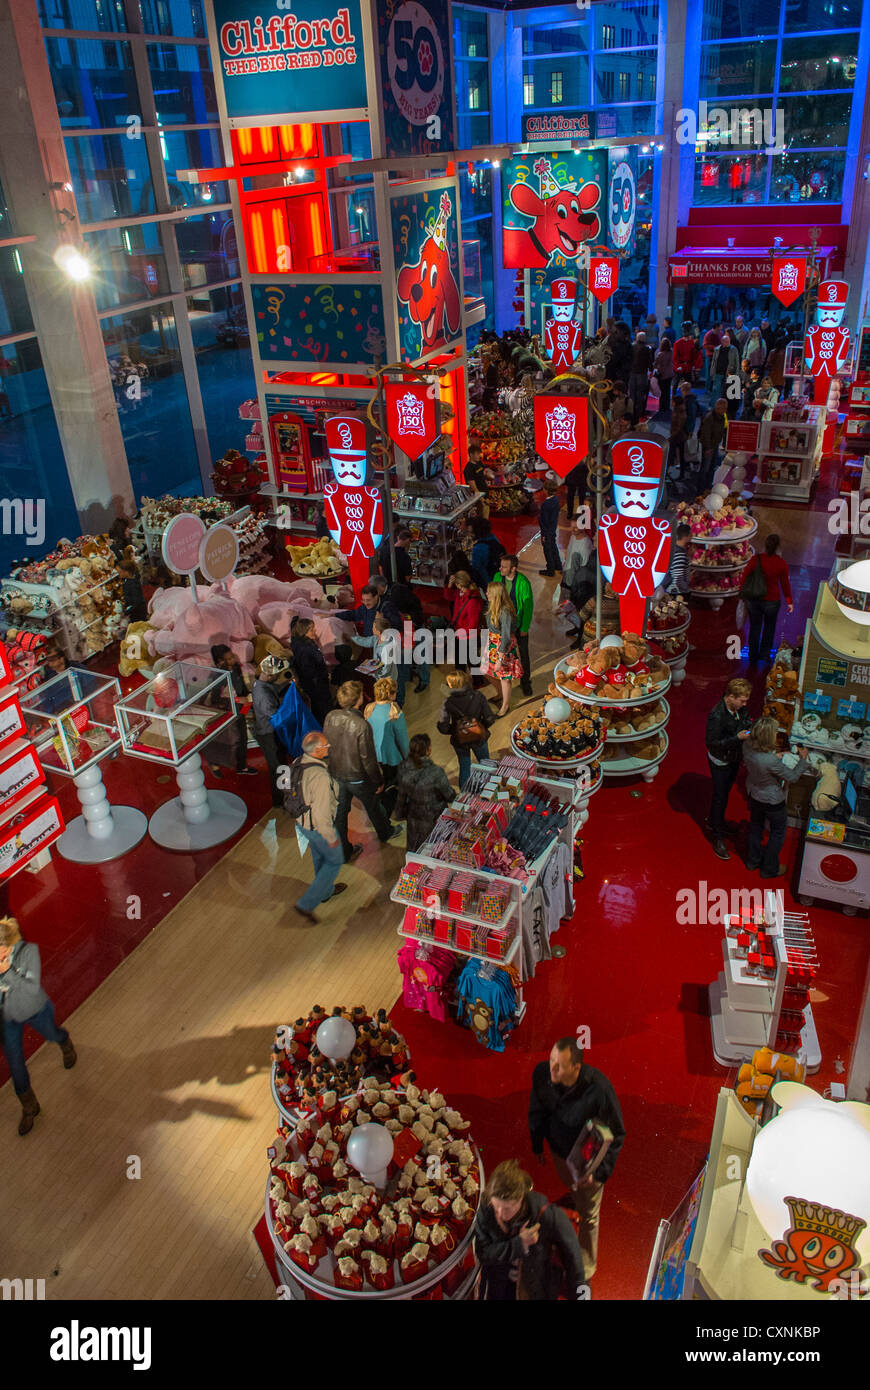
column 638, row 380
column 398, row 602
column 728, row 724
column 518, row 1253
column 354, row 764
column 710, row 436
column 566, row 1095
column 267, row 693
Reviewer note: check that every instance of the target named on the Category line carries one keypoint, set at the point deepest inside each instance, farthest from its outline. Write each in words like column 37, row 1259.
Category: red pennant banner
column 788, row 278
column 412, row 416
column 603, row 276
column 562, row 431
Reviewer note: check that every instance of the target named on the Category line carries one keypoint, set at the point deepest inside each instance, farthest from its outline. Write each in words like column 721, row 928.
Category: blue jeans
column 328, row 860
column 480, row 751
column 402, row 676
column 550, row 544
column 717, row 383
column 42, row 1023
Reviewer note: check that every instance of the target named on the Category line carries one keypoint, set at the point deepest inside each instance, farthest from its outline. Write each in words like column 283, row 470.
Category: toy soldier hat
column 563, row 291
column 637, row 462
column 833, row 294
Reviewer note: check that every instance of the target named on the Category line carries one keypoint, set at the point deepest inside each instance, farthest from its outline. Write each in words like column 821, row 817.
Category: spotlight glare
column 71, row 261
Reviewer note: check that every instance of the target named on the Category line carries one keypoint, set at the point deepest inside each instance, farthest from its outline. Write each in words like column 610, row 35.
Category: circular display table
column 716, row 597
column 643, row 733
column 565, row 765
column 561, row 672
column 636, row 767
column 676, row 663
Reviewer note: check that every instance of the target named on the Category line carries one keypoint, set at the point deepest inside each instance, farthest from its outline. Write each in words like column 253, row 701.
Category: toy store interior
column 432, row 439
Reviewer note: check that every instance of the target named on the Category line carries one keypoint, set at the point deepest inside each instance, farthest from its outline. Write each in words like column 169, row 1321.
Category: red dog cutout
column 564, row 220
column 429, row 289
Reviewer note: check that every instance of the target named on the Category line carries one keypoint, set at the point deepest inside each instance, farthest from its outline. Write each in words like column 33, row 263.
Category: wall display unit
column 431, row 509
column 789, row 451
column 30, row 818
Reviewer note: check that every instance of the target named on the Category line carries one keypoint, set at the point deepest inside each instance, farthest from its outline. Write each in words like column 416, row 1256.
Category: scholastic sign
column 276, row 64
column 412, row 416
column 562, row 431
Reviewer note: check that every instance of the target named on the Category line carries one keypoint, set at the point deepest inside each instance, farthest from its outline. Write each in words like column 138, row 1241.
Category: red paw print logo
column 425, row 58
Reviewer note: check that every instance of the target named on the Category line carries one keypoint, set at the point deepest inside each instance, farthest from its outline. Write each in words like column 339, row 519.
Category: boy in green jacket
column 520, row 594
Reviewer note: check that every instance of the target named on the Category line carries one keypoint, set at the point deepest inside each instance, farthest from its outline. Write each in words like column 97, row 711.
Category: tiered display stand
column 627, row 766
column 716, row 597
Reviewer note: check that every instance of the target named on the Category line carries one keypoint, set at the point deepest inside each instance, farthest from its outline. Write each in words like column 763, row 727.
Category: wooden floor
column 173, row 1062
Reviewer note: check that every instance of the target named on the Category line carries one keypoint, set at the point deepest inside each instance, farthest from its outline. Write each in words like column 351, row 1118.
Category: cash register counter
column 836, row 865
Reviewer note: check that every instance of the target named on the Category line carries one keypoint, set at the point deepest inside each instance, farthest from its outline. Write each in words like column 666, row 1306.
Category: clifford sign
column 278, row 64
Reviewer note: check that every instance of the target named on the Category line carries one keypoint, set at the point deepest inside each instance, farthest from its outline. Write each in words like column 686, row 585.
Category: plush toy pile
column 77, row 587
column 626, row 672
column 302, row 1073
column 157, row 512
column 570, row 738
column 721, row 555
column 234, row 473
column 781, row 691
column 623, row 722
column 672, row 647
column 755, row 1078
column 728, row 519
column 321, row 557
column 646, row 749
column 24, row 651
column 668, row 613
column 499, row 439
column 341, row 1229
column 707, row 583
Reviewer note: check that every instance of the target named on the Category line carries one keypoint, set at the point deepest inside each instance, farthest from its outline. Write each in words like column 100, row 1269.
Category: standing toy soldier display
column 634, row 545
column 354, row 512
column 826, row 346
column 563, row 338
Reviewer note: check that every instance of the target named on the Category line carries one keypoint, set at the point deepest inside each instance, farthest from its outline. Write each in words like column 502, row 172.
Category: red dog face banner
column 788, row 278
column 426, row 247
column 354, row 512
column 550, row 204
column 603, row 276
column 562, row 431
column 412, row 415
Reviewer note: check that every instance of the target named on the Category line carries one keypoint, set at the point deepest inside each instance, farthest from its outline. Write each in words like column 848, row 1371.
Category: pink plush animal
column 203, row 625
column 166, row 606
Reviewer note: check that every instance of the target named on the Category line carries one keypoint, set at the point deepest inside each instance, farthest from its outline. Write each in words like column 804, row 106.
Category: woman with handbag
column 466, row 610
column 765, row 583
column 766, row 779
column 390, row 731
column 527, row 1248
column 466, row 716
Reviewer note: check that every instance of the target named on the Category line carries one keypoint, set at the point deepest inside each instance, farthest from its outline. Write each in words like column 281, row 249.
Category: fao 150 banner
column 428, row 273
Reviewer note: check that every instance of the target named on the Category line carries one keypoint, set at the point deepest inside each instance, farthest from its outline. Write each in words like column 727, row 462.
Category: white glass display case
column 71, row 722
column 170, row 720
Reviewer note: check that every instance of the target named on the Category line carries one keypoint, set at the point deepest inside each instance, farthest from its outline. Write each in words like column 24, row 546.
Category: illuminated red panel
column 275, row 144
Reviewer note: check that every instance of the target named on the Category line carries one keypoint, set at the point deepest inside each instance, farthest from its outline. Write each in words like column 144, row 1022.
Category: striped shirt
column 678, row 570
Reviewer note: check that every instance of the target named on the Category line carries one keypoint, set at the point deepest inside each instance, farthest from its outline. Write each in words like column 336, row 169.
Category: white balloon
column 370, row 1150
column 336, row 1038
column 556, row 710
column 713, row 502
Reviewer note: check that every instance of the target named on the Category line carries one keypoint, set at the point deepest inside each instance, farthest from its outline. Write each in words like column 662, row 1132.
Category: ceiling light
column 73, row 263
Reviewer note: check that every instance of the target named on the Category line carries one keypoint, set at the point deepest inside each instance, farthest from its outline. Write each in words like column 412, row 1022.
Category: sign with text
column 726, row 270
column 218, row 553
column 414, row 46
column 622, row 200
column 742, row 435
column 562, row 431
column 412, row 415
column 280, row 63
column 788, row 278
column 831, row 671
column 603, row 277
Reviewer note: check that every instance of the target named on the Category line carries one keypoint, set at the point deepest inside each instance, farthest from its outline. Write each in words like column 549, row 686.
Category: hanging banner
column 634, row 545
column 563, row 338
column 789, row 278
column 275, row 67
column 414, row 47
column 354, row 512
column 552, row 207
column 426, row 248
column 562, row 431
column 622, row 199
column 603, row 276
column 412, row 415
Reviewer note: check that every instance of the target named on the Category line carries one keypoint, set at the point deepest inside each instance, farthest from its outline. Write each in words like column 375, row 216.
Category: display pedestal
column 102, row 832
column 196, row 818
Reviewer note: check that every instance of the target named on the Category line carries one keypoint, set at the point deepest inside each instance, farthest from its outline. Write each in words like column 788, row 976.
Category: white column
column 193, row 795
column 95, row 804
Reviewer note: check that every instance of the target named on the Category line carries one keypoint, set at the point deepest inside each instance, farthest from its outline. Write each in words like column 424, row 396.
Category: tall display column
column 34, row 173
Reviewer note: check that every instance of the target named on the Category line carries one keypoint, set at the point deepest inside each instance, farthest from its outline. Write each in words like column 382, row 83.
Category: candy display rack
column 169, row 721
column 72, row 724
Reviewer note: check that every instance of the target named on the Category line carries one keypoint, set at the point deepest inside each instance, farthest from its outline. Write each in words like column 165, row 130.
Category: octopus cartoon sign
column 634, row 545
column 563, row 338
column 412, row 415
column 354, row 512
column 552, row 207
column 426, row 246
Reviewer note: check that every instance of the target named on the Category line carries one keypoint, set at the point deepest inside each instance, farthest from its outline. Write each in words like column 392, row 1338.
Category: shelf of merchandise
column 412, row 514
column 743, row 533
column 653, row 635
column 724, row 569
column 557, row 764
column 795, row 489
column 457, row 950
column 437, row 555
column 457, row 916
column 592, row 699
column 644, row 733
column 636, row 767
column 272, row 490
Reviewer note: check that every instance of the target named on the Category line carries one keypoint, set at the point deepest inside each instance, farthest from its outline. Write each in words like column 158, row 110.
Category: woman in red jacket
column 763, row 612
column 466, row 603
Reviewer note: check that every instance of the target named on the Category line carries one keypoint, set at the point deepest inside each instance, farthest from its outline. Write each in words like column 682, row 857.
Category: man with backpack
column 486, row 553
column 311, row 798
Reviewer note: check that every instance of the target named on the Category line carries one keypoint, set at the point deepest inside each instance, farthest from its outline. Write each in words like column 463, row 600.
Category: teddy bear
column 634, row 654
column 643, row 718
column 619, row 726
column 134, row 654
column 828, row 790
column 593, row 675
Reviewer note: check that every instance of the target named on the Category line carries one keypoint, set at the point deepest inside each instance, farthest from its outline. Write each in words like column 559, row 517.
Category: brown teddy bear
column 634, row 654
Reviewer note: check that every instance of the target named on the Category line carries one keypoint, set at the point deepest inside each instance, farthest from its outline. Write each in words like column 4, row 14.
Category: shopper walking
column 687, row 356
column 664, row 370
column 728, row 725
column 517, row 1234
column 225, row 659
column 267, row 693
column 503, row 663
column 486, row 553
column 755, row 349
column 548, row 521
column 710, row 343
column 133, row 597
column 354, row 765
column 466, row 716
column 424, row 791
column 677, row 437
column 763, row 612
column 24, row 1003
column 390, row 733
column 638, row 380
column 766, row 779
column 312, row 801
column 519, row 591
column 710, row 436
column 566, row 1095
column 312, row 672
column 466, row 616
column 726, row 363
column 676, row 581
column 576, row 480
